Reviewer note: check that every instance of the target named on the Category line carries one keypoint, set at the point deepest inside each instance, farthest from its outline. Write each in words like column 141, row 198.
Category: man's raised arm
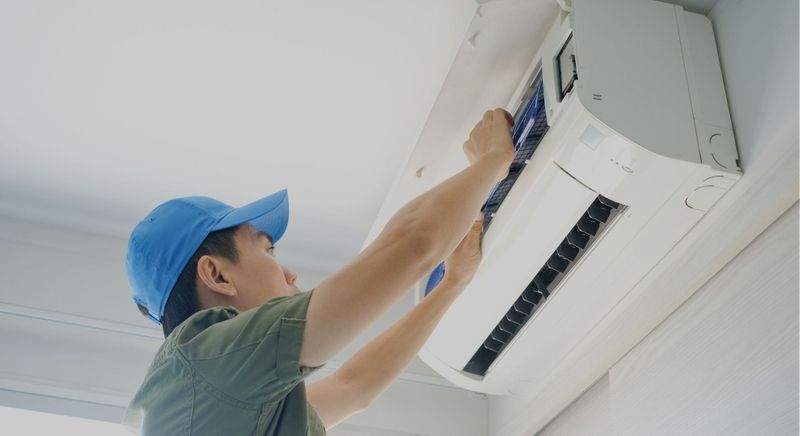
column 363, row 377
column 416, row 238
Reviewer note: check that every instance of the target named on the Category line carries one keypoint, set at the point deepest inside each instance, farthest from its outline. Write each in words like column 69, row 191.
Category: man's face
column 257, row 275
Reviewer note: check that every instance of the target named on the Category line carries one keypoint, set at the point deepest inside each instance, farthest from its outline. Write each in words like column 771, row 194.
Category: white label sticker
column 592, row 137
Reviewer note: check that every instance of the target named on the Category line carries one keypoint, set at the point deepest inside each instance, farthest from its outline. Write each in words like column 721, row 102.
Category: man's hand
column 360, row 380
column 491, row 136
column 461, row 265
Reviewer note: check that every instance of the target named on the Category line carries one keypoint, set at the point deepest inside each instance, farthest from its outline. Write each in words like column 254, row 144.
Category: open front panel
column 537, row 214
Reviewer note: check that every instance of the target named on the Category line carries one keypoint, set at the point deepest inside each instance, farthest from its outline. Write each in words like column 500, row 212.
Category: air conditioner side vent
column 591, row 224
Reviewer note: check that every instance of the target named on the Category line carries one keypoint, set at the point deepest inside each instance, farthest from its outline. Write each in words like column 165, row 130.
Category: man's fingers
column 502, row 113
column 497, row 114
column 509, row 118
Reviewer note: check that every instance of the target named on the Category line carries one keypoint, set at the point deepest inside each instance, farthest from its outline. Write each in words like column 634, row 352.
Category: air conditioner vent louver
column 591, row 224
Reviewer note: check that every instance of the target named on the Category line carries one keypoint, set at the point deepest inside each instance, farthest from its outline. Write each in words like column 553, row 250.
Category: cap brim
column 269, row 214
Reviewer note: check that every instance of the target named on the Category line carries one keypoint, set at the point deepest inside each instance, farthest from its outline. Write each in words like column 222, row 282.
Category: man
column 240, row 337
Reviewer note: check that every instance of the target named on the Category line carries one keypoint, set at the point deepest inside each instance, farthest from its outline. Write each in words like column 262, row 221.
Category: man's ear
column 212, row 273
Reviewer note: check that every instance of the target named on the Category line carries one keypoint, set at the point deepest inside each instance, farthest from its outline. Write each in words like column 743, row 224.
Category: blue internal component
column 528, row 130
column 435, row 278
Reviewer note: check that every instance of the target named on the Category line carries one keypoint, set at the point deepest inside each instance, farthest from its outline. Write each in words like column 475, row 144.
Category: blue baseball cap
column 161, row 244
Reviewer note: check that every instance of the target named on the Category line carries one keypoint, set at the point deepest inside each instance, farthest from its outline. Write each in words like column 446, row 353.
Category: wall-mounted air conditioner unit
column 624, row 141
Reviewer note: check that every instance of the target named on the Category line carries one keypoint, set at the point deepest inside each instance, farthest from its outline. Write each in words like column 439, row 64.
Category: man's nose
column 290, row 275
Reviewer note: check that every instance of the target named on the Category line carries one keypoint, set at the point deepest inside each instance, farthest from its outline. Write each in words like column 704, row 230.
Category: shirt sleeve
column 253, row 357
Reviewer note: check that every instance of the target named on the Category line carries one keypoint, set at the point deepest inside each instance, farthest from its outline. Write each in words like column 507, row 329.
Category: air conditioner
column 624, row 142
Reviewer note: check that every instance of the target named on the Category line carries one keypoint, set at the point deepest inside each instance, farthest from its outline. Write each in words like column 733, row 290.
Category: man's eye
column 271, row 250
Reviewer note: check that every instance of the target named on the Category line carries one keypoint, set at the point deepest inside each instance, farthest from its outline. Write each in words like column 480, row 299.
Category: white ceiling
column 109, row 108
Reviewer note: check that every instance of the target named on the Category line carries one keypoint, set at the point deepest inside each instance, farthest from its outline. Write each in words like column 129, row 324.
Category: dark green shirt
column 225, row 372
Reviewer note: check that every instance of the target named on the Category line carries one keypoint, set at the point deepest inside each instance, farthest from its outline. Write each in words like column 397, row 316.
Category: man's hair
column 183, row 301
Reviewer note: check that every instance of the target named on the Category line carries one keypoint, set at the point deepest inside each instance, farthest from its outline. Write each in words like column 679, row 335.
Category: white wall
column 758, row 46
column 73, row 341
column 724, row 363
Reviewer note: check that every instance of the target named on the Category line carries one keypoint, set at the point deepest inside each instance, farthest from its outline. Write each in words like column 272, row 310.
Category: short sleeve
column 252, row 356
